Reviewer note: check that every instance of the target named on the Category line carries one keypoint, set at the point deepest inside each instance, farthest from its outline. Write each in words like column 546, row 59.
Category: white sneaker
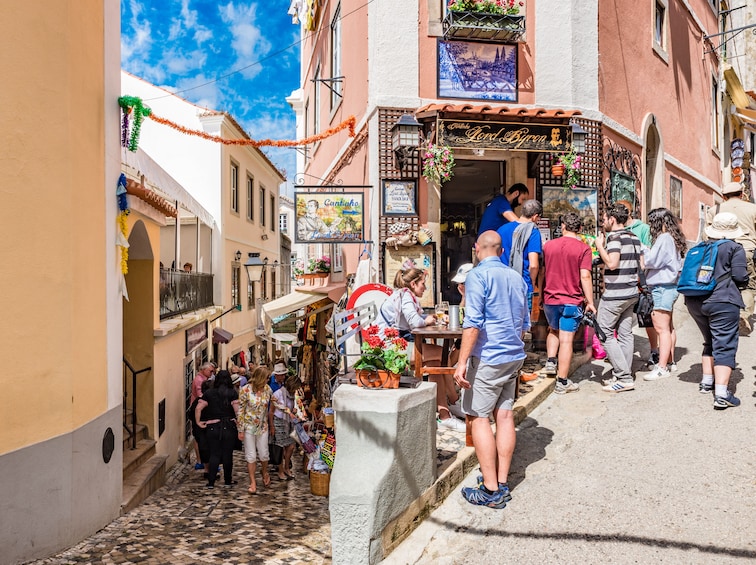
column 452, row 424
column 672, row 367
column 656, row 374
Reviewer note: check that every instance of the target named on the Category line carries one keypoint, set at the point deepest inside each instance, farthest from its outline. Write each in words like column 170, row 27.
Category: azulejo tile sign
column 469, row 134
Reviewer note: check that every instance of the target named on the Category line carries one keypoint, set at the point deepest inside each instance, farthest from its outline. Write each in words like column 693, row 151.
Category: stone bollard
column 385, row 459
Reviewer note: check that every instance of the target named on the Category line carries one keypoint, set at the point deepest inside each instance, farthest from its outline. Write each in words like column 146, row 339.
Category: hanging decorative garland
column 134, row 105
column 123, row 207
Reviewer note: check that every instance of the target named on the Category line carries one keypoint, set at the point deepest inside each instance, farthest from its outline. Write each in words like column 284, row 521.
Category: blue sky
column 185, row 46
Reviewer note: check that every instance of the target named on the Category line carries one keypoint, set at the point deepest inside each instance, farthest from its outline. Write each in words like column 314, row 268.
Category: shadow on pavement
column 532, row 440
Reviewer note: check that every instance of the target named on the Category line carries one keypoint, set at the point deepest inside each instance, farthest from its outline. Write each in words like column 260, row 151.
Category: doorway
column 463, row 200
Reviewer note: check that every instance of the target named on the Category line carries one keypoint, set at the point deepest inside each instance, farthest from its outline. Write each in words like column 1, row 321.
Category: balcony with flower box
column 485, row 20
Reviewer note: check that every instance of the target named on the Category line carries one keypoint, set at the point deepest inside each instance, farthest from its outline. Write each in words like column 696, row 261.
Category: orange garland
column 350, row 123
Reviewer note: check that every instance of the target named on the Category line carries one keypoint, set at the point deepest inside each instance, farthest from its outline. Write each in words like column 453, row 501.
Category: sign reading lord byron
column 498, row 135
column 329, row 217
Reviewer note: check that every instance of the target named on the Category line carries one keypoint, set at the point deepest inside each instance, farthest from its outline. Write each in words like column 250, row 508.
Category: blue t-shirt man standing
column 529, row 245
column 499, row 210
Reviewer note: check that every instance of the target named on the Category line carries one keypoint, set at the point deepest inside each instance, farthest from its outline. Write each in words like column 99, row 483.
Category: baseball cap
column 732, row 188
column 462, row 273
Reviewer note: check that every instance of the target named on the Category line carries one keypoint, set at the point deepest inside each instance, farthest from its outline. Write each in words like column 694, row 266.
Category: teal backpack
column 697, row 275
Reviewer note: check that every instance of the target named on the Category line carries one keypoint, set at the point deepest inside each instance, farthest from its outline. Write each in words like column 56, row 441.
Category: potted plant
column 438, row 163
column 319, row 265
column 382, row 359
column 501, row 7
column 567, row 165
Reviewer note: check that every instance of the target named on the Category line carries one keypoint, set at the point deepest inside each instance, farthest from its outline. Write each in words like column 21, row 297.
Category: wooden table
column 433, row 333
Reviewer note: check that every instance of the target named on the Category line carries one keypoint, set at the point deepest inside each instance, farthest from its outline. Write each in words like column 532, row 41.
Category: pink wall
column 635, row 81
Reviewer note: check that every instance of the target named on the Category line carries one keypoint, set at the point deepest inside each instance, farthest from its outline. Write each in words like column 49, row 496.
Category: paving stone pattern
column 185, row 523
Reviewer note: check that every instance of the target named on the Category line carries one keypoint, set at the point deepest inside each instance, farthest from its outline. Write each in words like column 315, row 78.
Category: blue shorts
column 565, row 317
column 664, row 296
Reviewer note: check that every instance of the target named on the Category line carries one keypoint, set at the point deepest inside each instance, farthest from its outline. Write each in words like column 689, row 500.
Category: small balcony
column 182, row 292
column 478, row 26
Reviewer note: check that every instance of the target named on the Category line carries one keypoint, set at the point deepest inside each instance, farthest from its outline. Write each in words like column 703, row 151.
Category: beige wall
column 53, row 216
column 59, row 273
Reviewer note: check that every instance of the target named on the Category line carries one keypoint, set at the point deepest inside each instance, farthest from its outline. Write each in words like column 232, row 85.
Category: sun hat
column 462, row 273
column 280, row 369
column 724, row 226
column 732, row 188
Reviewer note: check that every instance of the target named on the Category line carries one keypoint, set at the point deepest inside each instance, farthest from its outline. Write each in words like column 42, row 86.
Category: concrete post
column 385, row 459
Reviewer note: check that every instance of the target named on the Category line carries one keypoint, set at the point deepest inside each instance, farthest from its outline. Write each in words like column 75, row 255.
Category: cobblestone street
column 185, row 523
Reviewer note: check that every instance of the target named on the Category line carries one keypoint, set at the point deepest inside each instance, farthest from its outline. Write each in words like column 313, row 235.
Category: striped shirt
column 622, row 283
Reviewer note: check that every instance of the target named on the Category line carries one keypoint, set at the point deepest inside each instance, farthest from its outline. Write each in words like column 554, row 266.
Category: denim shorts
column 664, row 296
column 565, row 317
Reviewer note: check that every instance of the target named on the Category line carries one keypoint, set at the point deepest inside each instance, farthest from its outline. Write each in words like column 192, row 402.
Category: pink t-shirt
column 563, row 258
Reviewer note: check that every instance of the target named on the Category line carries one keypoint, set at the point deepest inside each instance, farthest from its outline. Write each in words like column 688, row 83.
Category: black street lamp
column 254, row 267
column 405, row 139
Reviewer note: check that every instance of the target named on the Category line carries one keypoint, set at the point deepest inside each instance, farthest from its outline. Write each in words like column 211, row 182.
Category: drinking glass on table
column 442, row 313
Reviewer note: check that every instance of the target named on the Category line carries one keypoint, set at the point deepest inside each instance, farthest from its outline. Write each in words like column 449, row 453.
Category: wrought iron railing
column 131, row 431
column 182, row 292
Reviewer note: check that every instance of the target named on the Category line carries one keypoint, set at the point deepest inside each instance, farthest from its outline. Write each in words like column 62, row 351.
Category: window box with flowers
column 567, row 166
column 485, row 20
column 383, row 359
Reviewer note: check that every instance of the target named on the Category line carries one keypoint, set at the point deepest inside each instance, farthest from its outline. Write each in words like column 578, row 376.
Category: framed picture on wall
column 582, row 201
column 623, row 187
column 675, row 197
column 481, row 71
column 422, row 257
column 399, row 197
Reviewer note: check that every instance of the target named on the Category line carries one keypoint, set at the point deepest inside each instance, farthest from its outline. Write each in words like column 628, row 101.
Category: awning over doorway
column 300, row 298
column 222, row 336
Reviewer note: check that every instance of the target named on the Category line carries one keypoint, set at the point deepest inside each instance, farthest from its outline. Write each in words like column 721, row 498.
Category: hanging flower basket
column 483, row 26
column 557, row 170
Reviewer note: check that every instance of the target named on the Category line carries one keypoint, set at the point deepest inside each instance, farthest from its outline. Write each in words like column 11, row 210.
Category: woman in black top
column 717, row 314
column 216, row 412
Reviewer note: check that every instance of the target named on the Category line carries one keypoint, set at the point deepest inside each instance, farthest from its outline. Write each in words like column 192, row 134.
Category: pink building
column 506, row 93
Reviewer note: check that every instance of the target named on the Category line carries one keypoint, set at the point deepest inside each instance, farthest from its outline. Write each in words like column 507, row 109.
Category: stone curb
column 402, row 526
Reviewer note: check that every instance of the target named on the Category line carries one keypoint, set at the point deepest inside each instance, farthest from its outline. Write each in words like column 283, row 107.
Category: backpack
column 697, row 275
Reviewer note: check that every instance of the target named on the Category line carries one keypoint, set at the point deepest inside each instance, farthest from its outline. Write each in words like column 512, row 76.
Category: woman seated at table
column 402, row 311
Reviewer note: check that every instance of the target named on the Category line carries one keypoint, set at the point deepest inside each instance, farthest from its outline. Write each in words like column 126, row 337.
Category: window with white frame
column 283, row 223
column 660, row 23
column 250, row 197
column 336, row 260
column 234, row 187
column 262, row 205
column 336, row 56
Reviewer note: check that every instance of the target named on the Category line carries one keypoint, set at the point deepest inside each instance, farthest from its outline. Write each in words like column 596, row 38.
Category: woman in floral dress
column 254, row 398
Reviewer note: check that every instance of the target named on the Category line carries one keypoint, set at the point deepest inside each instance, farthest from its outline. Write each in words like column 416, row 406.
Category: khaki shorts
column 492, row 387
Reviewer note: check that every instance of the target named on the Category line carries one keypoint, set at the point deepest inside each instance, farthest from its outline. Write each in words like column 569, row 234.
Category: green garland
column 134, row 104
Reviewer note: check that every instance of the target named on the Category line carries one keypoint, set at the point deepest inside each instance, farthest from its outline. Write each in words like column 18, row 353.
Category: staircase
column 143, row 470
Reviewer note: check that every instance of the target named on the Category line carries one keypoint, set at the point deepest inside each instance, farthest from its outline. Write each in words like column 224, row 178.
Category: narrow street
column 654, row 475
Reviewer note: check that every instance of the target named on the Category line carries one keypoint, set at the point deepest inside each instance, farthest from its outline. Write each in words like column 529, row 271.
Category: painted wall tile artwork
column 482, row 71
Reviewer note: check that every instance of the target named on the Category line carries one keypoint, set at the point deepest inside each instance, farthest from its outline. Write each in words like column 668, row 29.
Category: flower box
column 479, row 26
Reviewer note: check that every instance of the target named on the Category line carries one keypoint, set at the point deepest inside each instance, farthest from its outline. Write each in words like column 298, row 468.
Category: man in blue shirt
column 521, row 244
column 490, row 359
column 499, row 210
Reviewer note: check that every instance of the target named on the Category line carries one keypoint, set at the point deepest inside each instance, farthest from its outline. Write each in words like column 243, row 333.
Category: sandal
column 266, row 480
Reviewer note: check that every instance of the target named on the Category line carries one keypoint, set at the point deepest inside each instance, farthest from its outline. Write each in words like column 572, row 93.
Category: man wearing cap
column 490, row 359
column 500, row 210
column 278, row 377
column 745, row 212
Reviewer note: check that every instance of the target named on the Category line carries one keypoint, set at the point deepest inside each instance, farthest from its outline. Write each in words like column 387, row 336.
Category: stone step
column 145, row 480
column 133, row 458
column 141, row 433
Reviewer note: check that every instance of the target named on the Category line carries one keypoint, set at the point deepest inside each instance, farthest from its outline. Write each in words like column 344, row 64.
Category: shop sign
column 468, row 134
column 329, row 217
column 399, row 197
column 196, row 335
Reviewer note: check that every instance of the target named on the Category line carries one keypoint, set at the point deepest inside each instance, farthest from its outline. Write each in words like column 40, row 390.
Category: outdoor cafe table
column 432, row 334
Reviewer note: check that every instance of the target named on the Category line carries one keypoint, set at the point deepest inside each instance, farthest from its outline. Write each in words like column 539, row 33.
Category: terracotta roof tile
column 500, row 111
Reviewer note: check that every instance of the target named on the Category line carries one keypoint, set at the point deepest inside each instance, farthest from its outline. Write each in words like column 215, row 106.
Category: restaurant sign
column 467, row 134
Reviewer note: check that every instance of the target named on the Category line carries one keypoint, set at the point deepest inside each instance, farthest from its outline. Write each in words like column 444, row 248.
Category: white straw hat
column 724, row 226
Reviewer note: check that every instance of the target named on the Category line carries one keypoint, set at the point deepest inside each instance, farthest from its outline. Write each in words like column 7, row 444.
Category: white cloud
column 181, row 62
column 248, row 43
column 138, row 43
